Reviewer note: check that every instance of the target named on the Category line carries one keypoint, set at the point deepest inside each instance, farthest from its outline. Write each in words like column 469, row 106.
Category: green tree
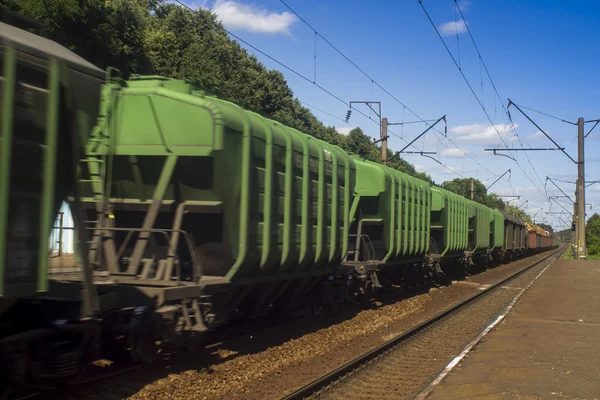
column 517, row 212
column 492, row 200
column 546, row 227
column 592, row 234
column 359, row 143
column 424, row 176
column 462, row 186
column 104, row 33
column 565, row 235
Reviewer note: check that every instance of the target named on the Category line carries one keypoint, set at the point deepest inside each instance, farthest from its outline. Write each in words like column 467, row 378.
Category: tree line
column 153, row 37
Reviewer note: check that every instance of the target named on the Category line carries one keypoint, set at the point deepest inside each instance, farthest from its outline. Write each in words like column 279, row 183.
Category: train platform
column 548, row 345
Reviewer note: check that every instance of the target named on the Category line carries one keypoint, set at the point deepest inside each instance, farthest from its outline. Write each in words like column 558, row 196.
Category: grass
column 570, row 256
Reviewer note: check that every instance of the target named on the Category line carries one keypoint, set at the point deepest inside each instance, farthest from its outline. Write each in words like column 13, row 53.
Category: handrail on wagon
column 197, row 272
column 368, row 244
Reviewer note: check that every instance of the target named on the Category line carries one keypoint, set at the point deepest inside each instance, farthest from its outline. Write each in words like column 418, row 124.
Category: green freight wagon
column 479, row 228
column 461, row 230
column 390, row 222
column 496, row 235
column 515, row 236
column 48, row 100
column 449, row 228
column 204, row 193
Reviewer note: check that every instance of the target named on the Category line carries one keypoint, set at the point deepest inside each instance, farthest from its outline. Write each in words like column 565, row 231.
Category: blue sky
column 540, row 54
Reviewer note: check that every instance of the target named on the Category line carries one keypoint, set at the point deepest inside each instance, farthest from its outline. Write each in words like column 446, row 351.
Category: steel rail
column 351, row 367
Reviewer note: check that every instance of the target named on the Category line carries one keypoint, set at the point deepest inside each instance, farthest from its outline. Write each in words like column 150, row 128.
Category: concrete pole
column 574, row 233
column 384, row 124
column 581, row 191
column 472, row 189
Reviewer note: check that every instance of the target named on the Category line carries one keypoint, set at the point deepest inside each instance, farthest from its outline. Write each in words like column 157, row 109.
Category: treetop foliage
column 546, row 227
column 462, row 186
column 152, row 37
column 592, row 234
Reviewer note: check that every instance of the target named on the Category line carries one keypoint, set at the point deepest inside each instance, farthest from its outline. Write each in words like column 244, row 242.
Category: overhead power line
column 471, row 87
column 374, row 82
column 304, row 77
column 323, row 111
column 482, row 62
column 547, row 115
column 299, row 74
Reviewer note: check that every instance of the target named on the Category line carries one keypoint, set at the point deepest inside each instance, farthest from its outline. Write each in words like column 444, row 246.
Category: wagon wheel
column 192, row 340
column 315, row 303
column 144, row 335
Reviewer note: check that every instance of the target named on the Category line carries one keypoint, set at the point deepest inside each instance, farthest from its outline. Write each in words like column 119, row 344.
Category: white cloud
column 464, row 5
column 236, row 15
column 484, row 134
column 453, row 27
column 420, row 167
column 453, row 152
column 344, row 130
column 536, row 136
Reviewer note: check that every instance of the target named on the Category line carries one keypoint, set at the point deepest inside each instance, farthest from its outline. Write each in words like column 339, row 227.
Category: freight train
column 192, row 212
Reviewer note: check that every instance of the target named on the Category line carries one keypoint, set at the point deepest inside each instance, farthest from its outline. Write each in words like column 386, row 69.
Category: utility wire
column 324, row 112
column 443, row 165
column 547, row 115
column 304, row 77
column 502, row 104
column 562, row 180
column 496, row 91
column 373, row 81
column 347, row 103
column 471, row 87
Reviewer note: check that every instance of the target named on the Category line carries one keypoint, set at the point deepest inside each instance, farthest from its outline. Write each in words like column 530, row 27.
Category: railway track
column 237, row 334
column 405, row 366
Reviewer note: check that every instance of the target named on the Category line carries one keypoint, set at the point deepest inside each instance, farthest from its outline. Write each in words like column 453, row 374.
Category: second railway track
column 403, row 366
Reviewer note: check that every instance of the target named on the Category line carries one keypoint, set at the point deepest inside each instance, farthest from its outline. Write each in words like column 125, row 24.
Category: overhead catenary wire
column 471, row 87
column 547, row 115
column 496, row 92
column 562, row 180
column 442, row 164
column 373, row 81
column 324, row 112
column 304, row 77
column 482, row 62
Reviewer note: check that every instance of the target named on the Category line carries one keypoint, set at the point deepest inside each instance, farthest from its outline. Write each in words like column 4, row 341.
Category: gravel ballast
column 278, row 361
